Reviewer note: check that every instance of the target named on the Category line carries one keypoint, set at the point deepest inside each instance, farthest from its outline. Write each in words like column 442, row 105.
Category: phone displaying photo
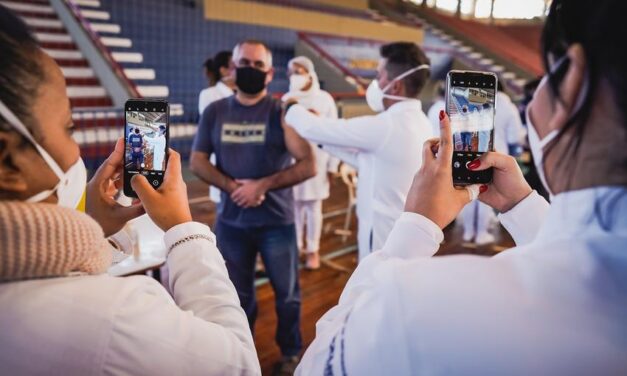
column 146, row 135
column 470, row 105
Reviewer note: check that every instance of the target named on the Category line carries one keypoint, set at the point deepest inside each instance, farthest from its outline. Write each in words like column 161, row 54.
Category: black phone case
column 461, row 174
column 155, row 181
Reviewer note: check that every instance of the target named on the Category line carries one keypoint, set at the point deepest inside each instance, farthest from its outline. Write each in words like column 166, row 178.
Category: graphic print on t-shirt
column 243, row 133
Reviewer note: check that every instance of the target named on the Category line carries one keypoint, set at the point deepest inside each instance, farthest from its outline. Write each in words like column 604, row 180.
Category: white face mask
column 537, row 147
column 298, row 81
column 72, row 183
column 375, row 95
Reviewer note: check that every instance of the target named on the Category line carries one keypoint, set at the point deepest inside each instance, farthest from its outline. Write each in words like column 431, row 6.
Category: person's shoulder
column 215, row 107
column 325, row 95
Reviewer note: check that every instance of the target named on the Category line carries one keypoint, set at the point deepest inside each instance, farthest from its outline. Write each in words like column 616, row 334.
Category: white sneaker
column 468, row 235
column 484, row 238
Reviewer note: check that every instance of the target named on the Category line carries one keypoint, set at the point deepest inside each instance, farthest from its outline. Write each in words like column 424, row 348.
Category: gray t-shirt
column 248, row 143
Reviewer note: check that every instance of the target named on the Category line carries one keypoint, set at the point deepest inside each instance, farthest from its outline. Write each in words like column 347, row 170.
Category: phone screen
column 146, row 139
column 471, row 108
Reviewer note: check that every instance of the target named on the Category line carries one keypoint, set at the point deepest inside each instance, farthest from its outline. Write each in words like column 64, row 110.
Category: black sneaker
column 286, row 366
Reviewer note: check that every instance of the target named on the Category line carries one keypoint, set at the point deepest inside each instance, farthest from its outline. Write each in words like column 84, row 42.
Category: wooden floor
column 320, row 290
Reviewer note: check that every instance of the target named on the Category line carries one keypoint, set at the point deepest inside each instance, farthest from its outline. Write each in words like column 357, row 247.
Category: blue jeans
column 278, row 249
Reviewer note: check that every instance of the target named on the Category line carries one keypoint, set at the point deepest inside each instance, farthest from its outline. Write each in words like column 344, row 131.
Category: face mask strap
column 405, row 74
column 19, row 126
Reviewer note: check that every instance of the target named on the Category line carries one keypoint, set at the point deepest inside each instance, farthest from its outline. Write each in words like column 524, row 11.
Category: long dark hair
column 600, row 28
column 221, row 60
column 21, row 74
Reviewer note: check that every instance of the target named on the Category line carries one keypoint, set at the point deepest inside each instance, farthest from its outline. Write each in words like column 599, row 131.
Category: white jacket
column 556, row 304
column 97, row 325
column 508, row 128
column 387, row 151
column 317, row 188
column 212, row 94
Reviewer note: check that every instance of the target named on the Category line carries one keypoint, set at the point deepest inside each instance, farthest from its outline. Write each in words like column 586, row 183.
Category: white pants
column 308, row 214
column 476, row 217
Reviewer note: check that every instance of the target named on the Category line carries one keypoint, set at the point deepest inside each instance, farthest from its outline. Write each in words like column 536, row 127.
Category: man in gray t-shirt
column 254, row 170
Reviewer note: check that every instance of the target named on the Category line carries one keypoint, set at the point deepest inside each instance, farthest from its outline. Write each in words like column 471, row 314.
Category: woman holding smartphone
column 61, row 313
column 553, row 305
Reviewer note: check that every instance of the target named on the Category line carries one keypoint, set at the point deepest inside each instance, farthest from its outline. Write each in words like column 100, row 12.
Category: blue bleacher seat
column 175, row 39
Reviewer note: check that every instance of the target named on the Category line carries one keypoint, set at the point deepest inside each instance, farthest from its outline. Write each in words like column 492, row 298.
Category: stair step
column 36, row 2
column 140, row 73
column 77, row 72
column 42, row 22
column 26, row 14
column 31, row 8
column 153, row 91
column 105, row 28
column 54, row 37
column 95, row 14
column 58, row 46
column 90, row 102
column 64, row 54
column 116, row 42
column 128, row 57
column 47, row 30
column 86, row 92
column 91, row 81
column 88, row 3
column 72, row 63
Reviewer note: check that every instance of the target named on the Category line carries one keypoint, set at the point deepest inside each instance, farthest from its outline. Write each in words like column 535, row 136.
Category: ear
column 270, row 75
column 11, row 178
column 572, row 84
column 398, row 88
column 224, row 71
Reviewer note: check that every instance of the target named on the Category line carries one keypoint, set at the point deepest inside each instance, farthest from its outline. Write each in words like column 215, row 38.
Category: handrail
column 334, row 62
column 115, row 66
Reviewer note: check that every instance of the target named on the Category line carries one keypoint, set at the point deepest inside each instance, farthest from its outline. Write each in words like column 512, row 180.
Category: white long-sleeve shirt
column 508, row 128
column 317, row 187
column 385, row 148
column 105, row 325
column 556, row 304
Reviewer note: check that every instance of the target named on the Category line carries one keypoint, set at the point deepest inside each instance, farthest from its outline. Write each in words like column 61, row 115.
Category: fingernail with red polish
column 474, row 164
column 441, row 114
column 483, row 188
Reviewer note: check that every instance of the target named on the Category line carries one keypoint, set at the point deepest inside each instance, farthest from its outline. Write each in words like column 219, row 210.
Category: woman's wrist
column 517, row 199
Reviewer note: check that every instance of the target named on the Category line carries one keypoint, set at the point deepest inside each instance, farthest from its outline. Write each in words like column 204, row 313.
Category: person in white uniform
column 556, row 303
column 509, row 133
column 61, row 313
column 219, row 74
column 385, row 148
column 308, row 196
column 438, row 105
column 158, row 144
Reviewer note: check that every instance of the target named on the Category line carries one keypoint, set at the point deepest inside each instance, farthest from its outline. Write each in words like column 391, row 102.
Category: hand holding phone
column 470, row 106
column 432, row 193
column 146, row 135
column 167, row 206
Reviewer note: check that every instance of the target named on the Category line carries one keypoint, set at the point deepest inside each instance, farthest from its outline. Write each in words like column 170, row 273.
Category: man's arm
column 202, row 148
column 201, row 166
column 364, row 132
column 251, row 192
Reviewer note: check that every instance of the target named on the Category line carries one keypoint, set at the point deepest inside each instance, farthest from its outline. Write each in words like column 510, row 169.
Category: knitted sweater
column 46, row 240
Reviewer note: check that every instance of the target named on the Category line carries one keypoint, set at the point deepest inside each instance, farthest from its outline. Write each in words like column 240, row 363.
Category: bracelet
column 190, row 238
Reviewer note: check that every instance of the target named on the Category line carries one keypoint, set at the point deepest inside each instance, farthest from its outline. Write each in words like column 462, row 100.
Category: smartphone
column 470, row 105
column 146, row 138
